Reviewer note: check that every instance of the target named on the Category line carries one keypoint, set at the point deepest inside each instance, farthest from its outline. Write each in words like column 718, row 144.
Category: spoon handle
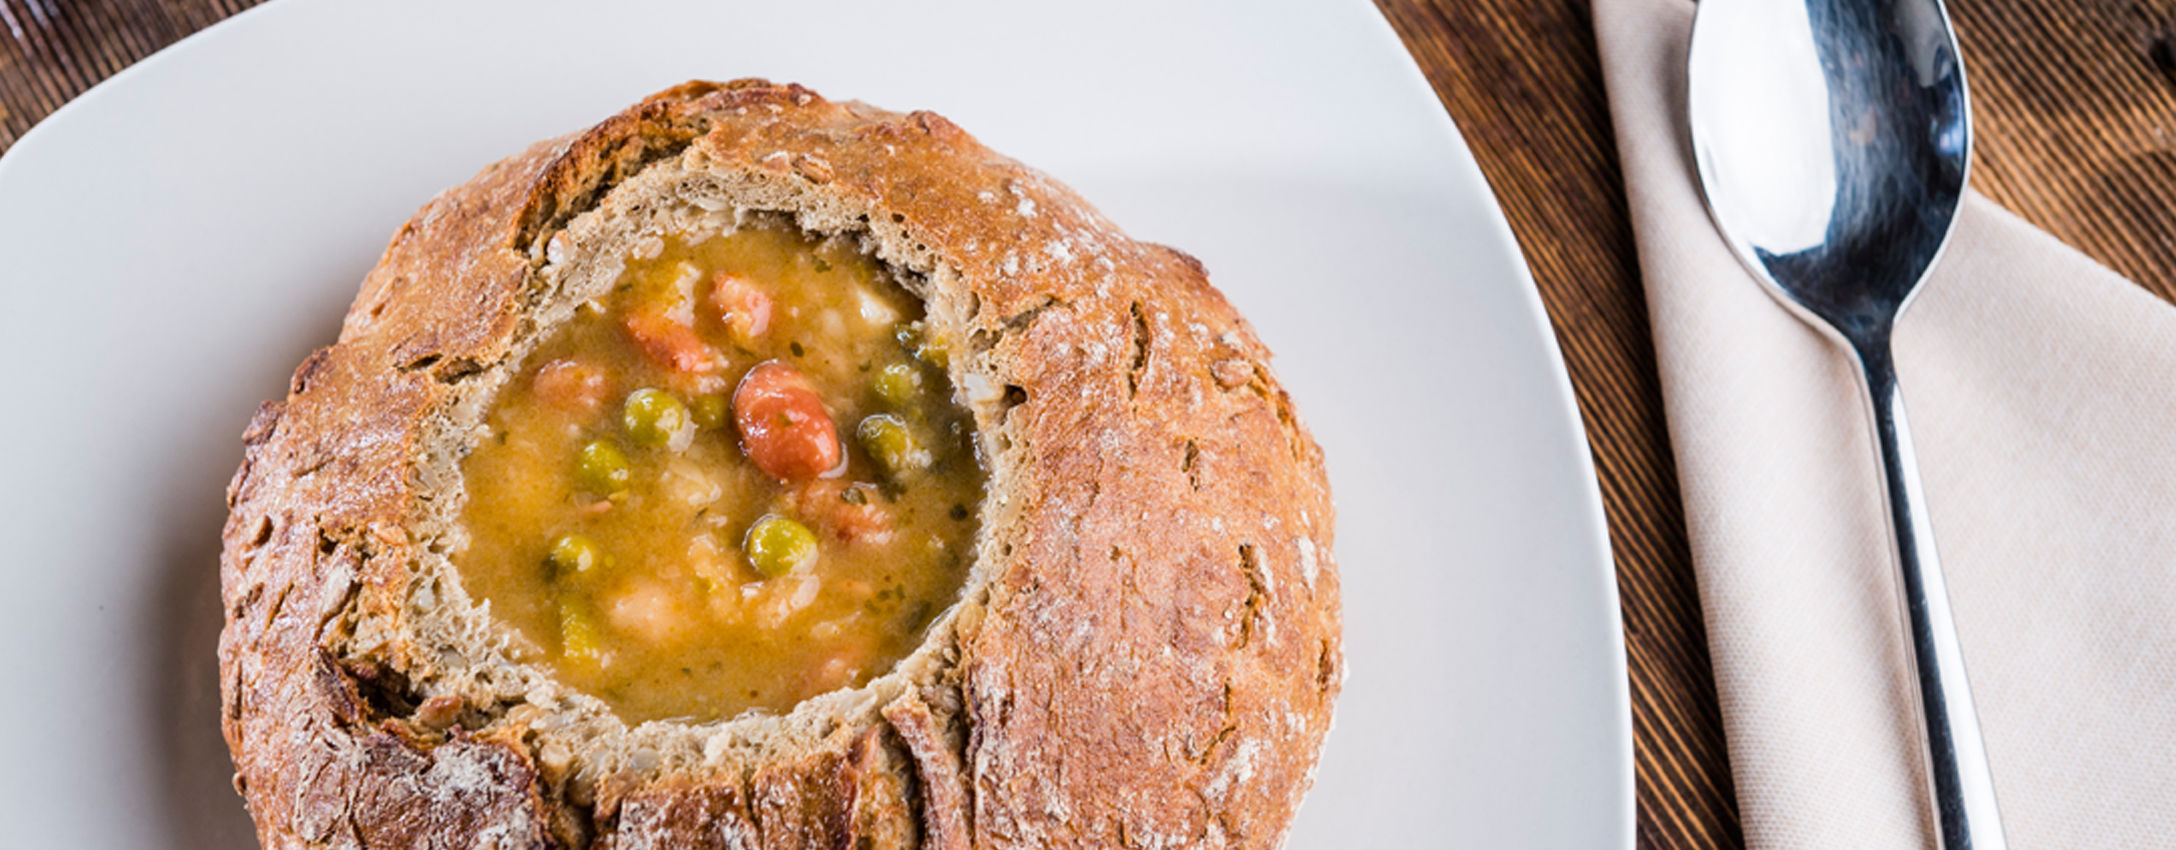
column 1964, row 791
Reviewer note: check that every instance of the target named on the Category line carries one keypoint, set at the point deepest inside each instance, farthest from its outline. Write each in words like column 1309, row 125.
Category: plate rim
column 1592, row 516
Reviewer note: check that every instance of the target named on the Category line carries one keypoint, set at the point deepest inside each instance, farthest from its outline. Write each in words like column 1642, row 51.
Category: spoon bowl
column 1833, row 140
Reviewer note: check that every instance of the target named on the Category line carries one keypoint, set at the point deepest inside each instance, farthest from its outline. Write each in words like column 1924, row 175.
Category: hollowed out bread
column 1147, row 648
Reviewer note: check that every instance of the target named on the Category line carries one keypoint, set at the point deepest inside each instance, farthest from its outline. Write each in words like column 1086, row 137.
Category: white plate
column 175, row 241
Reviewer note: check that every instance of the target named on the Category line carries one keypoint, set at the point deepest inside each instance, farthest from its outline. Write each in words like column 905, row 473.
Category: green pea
column 776, row 545
column 892, row 445
column 654, row 419
column 600, row 468
column 896, row 384
column 578, row 557
column 578, row 631
column 913, row 337
column 711, row 411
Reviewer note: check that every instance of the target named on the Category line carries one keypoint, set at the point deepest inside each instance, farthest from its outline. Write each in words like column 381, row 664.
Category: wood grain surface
column 2076, row 111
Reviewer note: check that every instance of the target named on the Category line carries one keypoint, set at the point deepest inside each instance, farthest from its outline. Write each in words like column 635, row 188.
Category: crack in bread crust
column 1113, row 676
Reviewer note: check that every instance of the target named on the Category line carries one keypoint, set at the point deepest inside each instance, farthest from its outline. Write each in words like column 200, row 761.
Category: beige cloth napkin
column 2042, row 391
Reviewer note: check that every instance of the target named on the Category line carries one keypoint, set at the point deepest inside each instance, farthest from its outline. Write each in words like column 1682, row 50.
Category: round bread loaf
column 1146, row 651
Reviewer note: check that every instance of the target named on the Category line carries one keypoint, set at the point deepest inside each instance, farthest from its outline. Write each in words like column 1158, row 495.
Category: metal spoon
column 1833, row 139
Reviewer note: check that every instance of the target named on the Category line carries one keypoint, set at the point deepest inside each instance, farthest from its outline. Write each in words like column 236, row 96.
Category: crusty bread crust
column 1147, row 650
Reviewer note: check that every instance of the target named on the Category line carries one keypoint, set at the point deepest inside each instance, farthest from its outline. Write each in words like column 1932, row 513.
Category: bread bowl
column 1142, row 649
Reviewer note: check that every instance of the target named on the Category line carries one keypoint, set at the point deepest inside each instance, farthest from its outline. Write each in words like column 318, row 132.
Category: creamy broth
column 736, row 481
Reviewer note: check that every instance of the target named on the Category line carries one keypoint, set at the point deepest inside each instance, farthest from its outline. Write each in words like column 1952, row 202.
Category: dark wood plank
column 2077, row 114
column 55, row 49
column 2075, row 104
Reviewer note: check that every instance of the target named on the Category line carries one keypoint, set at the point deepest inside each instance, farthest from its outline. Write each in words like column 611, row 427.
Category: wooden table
column 2076, row 104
